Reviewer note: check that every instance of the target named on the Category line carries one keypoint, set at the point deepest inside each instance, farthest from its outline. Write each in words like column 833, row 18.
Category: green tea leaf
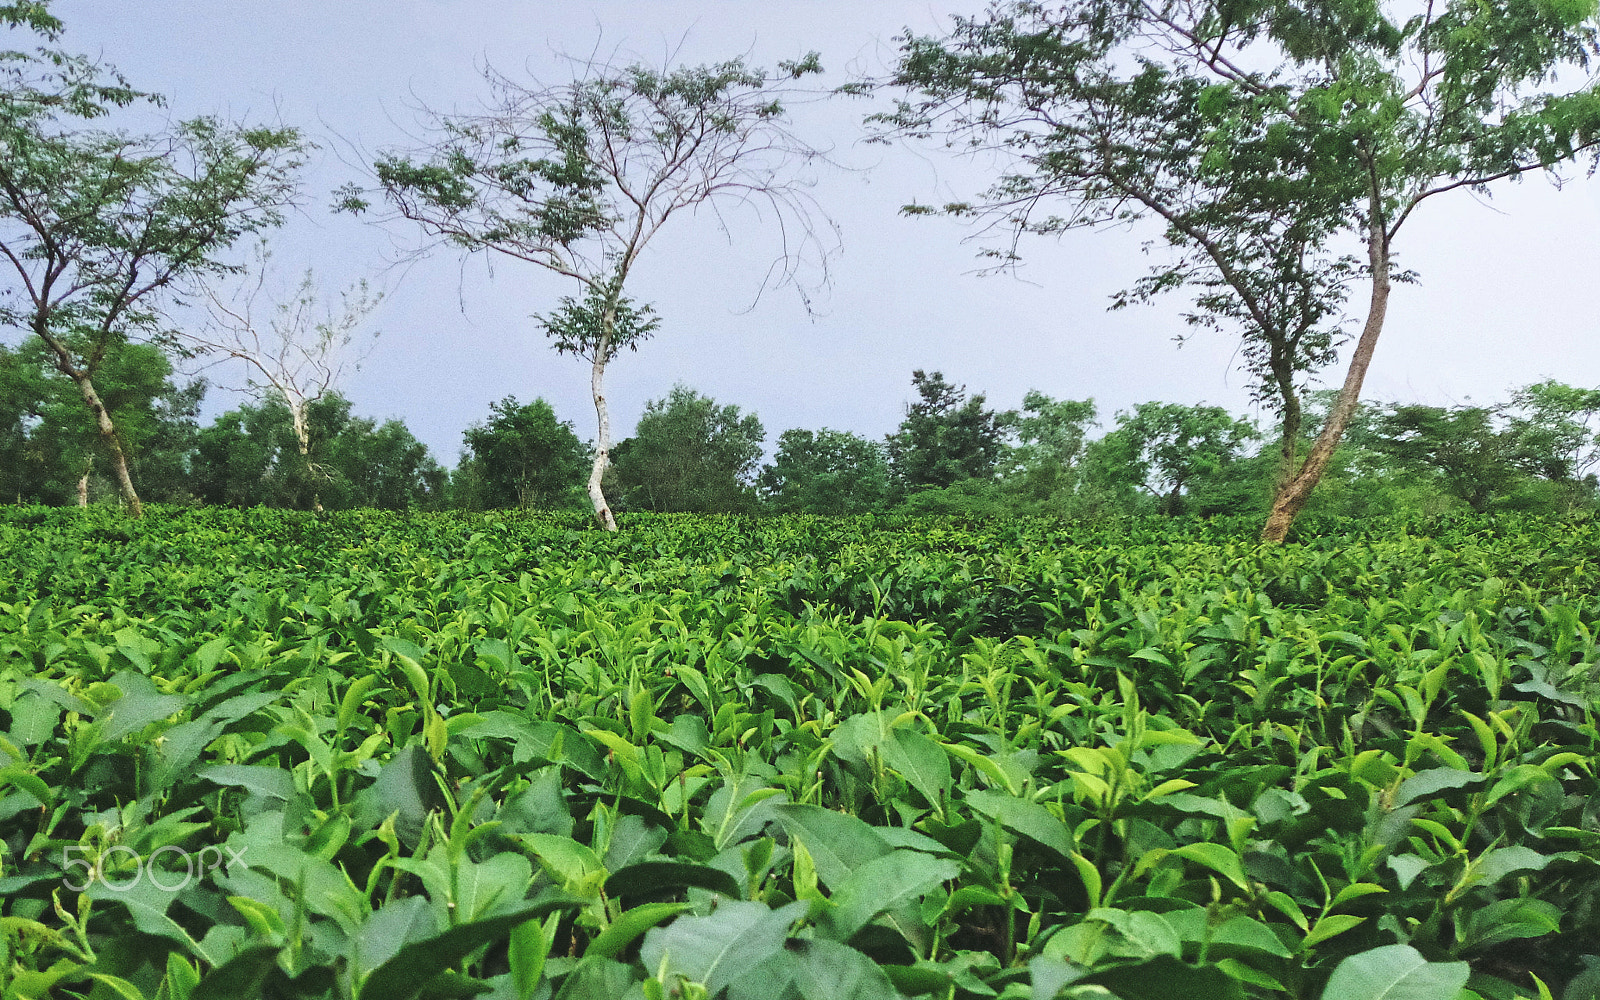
column 1395, row 972
column 632, row 923
column 1165, row 977
column 921, row 761
column 718, row 948
column 883, row 884
column 416, row 961
column 650, row 877
column 838, row 844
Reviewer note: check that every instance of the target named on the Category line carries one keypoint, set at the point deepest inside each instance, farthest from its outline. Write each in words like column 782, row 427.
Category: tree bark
column 113, row 444
column 302, row 440
column 1169, row 504
column 1292, row 495
column 602, row 444
column 102, row 417
column 83, row 485
column 1289, row 441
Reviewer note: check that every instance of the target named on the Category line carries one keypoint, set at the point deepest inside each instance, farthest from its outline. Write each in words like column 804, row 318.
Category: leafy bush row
column 258, row 753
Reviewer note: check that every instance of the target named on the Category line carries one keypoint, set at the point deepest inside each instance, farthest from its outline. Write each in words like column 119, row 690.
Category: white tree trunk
column 83, row 486
column 602, row 445
column 302, row 440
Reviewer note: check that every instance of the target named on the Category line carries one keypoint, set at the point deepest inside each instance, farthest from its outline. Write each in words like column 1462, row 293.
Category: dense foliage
column 826, row 472
column 522, row 456
column 50, row 447
column 688, row 454
column 1281, row 146
column 946, row 436
column 384, row 755
column 250, row 456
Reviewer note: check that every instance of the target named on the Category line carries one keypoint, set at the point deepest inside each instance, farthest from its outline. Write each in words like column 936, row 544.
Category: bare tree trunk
column 1289, row 442
column 1292, row 495
column 311, row 474
column 83, row 484
column 602, row 445
column 108, row 435
column 302, row 440
column 102, row 416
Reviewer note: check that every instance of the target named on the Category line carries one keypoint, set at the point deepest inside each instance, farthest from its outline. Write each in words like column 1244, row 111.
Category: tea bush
column 371, row 755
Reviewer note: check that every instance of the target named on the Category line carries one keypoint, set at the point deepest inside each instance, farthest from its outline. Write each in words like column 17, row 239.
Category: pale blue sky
column 1509, row 290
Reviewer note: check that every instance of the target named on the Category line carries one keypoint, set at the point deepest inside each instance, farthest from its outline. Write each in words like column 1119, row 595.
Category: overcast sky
column 1509, row 290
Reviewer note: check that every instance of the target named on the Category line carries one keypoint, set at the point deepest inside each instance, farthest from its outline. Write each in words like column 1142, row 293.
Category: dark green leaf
column 650, row 877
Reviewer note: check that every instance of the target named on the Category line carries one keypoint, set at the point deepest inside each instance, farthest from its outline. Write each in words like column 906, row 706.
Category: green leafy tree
column 236, row 457
column 97, row 225
column 946, row 436
column 52, row 448
column 689, row 454
column 1554, row 431
column 251, row 456
column 522, row 456
column 826, row 472
column 1459, row 445
column 384, row 466
column 578, row 178
column 1168, row 450
column 1051, row 437
column 17, row 402
column 1262, row 138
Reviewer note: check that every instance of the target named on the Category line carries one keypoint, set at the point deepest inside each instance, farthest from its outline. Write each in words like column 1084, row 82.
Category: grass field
column 259, row 753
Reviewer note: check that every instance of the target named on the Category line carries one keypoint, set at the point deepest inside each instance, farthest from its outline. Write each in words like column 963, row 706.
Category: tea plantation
column 372, row 756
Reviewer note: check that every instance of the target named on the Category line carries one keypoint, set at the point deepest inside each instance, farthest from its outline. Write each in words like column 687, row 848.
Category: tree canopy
column 96, row 225
column 251, row 455
column 1165, row 449
column 1263, row 140
column 946, row 436
column 690, row 454
column 826, row 472
column 579, row 177
column 522, row 456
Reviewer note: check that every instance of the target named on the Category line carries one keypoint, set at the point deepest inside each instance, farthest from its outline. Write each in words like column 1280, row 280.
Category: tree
column 946, row 436
column 52, row 445
column 826, row 472
column 1262, row 138
column 384, row 466
column 16, row 411
column 1051, row 435
column 96, row 225
column 522, row 456
column 689, row 454
column 1459, row 445
column 578, row 178
column 1167, row 449
column 290, row 347
column 1553, row 431
column 251, row 456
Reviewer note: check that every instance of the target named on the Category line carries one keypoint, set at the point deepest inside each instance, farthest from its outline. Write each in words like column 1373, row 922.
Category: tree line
column 1278, row 146
column 952, row 454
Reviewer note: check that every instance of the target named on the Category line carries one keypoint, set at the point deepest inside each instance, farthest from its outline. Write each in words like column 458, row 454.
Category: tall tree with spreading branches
column 579, row 177
column 295, row 347
column 1281, row 146
column 96, row 225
